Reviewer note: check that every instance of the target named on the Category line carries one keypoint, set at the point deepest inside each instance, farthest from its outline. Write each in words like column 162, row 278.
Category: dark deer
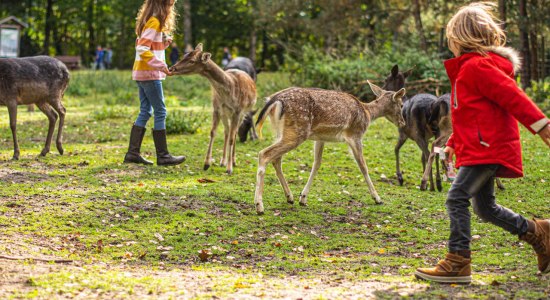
column 440, row 118
column 39, row 80
column 233, row 95
column 299, row 114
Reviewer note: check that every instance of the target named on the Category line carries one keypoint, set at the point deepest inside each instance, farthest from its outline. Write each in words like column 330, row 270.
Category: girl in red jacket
column 486, row 103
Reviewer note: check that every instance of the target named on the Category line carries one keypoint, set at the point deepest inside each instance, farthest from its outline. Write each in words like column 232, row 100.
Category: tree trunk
column 524, row 41
column 253, row 43
column 534, row 56
column 48, row 27
column 265, row 49
column 91, row 30
column 502, row 13
column 187, row 26
column 419, row 27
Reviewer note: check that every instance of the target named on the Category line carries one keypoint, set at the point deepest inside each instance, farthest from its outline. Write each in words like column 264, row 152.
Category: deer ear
column 408, row 72
column 199, row 47
column 399, row 94
column 375, row 89
column 205, row 57
column 395, row 71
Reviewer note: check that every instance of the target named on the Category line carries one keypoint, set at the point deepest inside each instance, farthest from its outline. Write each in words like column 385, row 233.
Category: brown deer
column 39, row 80
column 299, row 114
column 233, row 95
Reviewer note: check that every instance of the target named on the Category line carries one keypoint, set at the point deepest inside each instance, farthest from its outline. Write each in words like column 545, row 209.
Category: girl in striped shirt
column 155, row 23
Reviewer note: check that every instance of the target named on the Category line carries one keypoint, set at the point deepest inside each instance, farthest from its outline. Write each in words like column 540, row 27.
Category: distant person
column 486, row 141
column 99, row 55
column 226, row 58
column 108, row 58
column 175, row 54
column 155, row 22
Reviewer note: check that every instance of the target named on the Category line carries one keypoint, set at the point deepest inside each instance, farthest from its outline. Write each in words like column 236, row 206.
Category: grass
column 131, row 228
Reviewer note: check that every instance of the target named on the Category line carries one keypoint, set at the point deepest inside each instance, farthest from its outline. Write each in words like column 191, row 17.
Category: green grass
column 88, row 206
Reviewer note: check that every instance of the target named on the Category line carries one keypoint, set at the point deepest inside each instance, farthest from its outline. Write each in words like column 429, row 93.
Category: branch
column 57, row 261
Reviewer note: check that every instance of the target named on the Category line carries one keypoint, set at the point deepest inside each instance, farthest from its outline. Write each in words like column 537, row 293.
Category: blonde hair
column 474, row 28
column 160, row 9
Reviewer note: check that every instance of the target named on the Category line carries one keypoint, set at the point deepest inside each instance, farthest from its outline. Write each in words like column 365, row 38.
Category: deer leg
column 225, row 122
column 278, row 165
column 423, row 145
column 427, row 171
column 234, row 127
column 437, row 173
column 266, row 156
column 402, row 139
column 60, row 109
column 500, row 185
column 12, row 110
column 215, row 122
column 318, row 150
column 357, row 149
column 52, row 118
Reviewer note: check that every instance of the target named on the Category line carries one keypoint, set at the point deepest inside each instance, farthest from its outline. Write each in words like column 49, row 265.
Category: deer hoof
column 303, row 200
column 60, row 149
column 289, row 199
column 260, row 209
column 229, row 172
column 15, row 157
column 206, row 167
column 423, row 185
column 400, row 179
column 439, row 186
column 44, row 152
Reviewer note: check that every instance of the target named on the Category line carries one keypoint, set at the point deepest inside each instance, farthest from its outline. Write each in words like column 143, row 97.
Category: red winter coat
column 486, row 102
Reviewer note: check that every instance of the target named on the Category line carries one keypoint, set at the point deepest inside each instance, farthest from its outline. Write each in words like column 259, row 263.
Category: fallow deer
column 299, row 114
column 39, row 80
column 233, row 95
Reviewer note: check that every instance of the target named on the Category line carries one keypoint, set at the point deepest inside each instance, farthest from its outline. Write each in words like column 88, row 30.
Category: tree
column 187, row 25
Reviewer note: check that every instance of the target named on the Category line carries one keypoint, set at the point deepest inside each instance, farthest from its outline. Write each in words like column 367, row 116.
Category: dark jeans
column 477, row 182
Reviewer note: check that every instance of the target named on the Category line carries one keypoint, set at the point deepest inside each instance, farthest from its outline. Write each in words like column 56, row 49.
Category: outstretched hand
column 166, row 71
column 449, row 154
column 545, row 135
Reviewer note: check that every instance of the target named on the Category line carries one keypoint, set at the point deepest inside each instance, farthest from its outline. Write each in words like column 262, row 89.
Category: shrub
column 348, row 73
column 111, row 112
column 540, row 93
column 179, row 122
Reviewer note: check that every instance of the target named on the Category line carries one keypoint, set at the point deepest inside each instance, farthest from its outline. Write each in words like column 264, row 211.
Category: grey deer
column 39, row 80
column 299, row 114
column 233, row 95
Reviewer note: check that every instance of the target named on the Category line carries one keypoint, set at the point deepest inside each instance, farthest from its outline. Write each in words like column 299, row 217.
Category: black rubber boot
column 163, row 157
column 133, row 155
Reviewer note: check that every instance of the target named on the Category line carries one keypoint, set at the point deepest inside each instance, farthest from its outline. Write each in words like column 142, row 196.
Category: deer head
column 192, row 63
column 391, row 103
column 396, row 80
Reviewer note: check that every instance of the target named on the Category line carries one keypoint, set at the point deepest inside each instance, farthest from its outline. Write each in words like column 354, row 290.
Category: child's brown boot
column 538, row 236
column 453, row 269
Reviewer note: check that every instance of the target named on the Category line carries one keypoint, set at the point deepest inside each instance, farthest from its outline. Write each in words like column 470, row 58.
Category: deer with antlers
column 233, row 96
column 299, row 114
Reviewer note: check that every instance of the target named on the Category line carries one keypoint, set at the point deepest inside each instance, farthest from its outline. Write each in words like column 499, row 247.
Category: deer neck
column 375, row 109
column 216, row 75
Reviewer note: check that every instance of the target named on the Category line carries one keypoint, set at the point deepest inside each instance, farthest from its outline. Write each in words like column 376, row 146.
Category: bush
column 179, row 122
column 348, row 73
column 540, row 93
column 111, row 112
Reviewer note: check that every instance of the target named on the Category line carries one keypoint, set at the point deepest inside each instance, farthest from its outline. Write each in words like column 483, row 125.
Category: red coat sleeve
column 500, row 88
column 451, row 142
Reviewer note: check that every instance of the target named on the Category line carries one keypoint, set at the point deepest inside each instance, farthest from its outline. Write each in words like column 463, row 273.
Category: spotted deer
column 40, row 80
column 299, row 114
column 233, row 96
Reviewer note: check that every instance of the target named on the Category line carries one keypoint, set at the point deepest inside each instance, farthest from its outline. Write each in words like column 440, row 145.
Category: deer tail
column 268, row 108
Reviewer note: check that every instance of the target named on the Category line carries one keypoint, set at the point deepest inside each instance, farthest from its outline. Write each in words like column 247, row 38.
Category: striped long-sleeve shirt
column 150, row 57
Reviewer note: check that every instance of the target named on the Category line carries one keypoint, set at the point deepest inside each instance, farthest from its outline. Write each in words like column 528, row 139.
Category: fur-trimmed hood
column 510, row 54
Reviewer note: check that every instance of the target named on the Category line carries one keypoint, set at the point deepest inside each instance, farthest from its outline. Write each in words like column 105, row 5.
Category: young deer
column 299, row 114
column 39, row 80
column 233, row 95
column 441, row 118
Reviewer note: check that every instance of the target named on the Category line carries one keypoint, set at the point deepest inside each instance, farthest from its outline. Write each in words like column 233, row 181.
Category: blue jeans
column 477, row 182
column 151, row 98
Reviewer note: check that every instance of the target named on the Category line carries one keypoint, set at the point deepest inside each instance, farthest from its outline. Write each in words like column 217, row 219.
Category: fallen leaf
column 128, row 255
column 205, row 180
column 159, row 237
column 204, row 255
column 99, row 245
column 235, row 242
column 277, row 245
column 495, row 283
column 382, row 251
